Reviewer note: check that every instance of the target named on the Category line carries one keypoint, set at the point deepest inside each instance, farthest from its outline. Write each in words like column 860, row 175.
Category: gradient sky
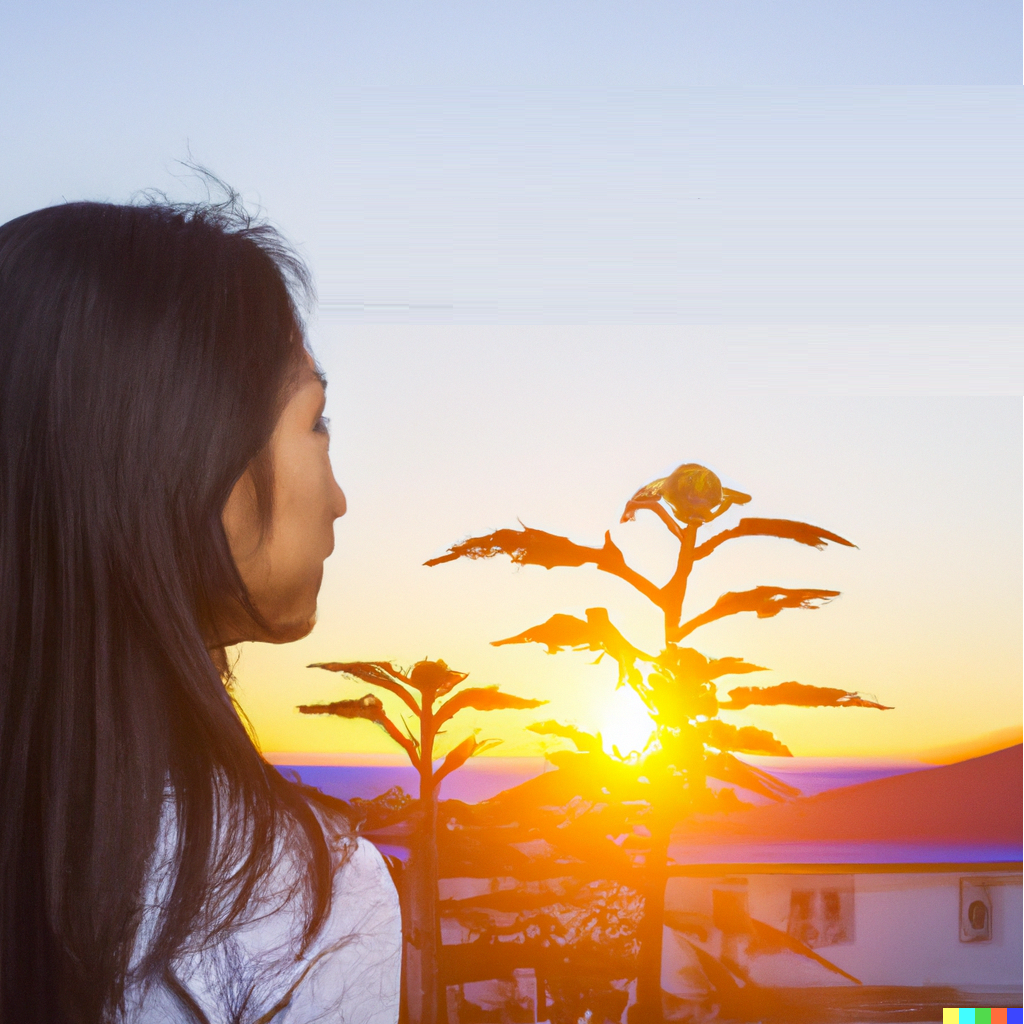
column 561, row 248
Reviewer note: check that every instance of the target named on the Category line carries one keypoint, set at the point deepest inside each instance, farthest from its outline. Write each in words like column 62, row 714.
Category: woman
column 165, row 491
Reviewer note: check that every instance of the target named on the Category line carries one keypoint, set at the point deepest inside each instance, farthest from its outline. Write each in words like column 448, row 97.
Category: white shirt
column 350, row 974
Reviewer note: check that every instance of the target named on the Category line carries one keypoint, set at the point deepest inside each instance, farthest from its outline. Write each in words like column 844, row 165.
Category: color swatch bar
column 996, row 1015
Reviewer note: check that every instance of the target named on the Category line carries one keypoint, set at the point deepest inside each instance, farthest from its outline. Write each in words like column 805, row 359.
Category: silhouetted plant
column 678, row 685
column 421, row 690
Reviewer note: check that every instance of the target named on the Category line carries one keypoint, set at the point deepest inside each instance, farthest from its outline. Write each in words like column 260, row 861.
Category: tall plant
column 421, row 691
column 678, row 685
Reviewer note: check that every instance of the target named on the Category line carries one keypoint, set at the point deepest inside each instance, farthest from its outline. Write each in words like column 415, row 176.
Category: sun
column 624, row 722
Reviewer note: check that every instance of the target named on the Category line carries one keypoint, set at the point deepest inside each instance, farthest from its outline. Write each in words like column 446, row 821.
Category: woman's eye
column 322, row 425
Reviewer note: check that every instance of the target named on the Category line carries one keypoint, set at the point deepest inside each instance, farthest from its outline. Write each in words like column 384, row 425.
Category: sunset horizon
column 931, row 641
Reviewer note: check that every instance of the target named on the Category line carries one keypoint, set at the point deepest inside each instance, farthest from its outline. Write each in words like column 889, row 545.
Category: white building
column 902, row 891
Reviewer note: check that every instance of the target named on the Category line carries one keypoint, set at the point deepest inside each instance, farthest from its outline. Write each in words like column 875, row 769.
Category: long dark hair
column 144, row 351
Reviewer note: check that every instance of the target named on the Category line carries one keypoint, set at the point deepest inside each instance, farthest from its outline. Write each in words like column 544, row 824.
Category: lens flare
column 624, row 722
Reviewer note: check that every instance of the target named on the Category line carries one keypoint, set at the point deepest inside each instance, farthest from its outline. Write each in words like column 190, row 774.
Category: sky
column 561, row 248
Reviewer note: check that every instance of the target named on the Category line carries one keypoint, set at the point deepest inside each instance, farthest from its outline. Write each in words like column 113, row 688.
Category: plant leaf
column 731, row 769
column 748, row 739
column 799, row 695
column 718, row 667
column 766, row 602
column 535, row 547
column 371, row 709
column 607, row 638
column 771, row 939
column 585, row 742
column 557, row 633
column 459, row 755
column 483, row 698
column 525, row 547
column 596, row 633
column 723, row 983
column 647, row 493
column 786, row 529
column 368, row 707
column 688, row 922
column 687, row 663
column 376, row 673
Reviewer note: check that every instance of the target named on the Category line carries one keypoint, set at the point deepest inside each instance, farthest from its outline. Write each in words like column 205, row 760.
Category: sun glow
column 625, row 723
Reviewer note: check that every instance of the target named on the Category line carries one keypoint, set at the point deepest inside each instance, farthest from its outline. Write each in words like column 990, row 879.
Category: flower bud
column 692, row 492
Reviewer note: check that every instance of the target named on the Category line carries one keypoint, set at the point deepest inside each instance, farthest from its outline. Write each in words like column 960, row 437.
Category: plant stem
column 674, row 592
column 424, row 990
column 648, row 1009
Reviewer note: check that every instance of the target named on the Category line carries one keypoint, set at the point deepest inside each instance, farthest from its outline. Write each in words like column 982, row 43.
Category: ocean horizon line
column 359, row 759
column 366, row 776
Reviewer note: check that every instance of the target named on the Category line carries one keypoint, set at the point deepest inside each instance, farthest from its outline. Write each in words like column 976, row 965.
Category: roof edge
column 952, row 867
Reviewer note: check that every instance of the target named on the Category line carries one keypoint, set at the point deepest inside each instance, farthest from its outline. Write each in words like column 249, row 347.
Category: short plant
column 421, row 690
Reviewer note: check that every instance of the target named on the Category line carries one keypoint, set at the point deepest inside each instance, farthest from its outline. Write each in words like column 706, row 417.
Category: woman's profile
column 165, row 491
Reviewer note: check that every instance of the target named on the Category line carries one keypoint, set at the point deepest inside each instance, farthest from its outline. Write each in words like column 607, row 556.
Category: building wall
column 897, row 929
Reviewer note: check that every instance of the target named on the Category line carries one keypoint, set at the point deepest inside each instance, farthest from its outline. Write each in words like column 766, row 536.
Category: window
column 823, row 915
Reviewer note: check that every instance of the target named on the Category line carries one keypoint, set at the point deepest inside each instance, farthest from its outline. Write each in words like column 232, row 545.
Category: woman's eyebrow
column 321, row 377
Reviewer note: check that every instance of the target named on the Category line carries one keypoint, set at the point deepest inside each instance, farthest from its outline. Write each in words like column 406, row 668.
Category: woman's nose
column 339, row 506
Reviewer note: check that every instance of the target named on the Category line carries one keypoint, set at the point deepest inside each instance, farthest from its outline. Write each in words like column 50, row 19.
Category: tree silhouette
column 421, row 690
column 679, row 685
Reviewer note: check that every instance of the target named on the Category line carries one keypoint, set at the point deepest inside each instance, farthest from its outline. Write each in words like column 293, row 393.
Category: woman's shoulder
column 364, row 897
column 350, row 971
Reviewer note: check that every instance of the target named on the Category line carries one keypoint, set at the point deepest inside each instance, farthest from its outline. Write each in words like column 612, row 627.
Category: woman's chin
column 276, row 629
column 283, row 631
column 286, row 631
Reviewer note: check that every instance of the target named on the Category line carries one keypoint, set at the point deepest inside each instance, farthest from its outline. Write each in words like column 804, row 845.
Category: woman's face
column 282, row 567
